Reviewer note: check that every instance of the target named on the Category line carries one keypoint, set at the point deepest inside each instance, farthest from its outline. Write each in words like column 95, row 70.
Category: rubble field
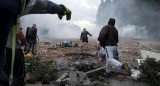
column 76, row 64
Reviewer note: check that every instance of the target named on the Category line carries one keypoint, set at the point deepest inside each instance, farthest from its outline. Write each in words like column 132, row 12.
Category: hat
column 84, row 28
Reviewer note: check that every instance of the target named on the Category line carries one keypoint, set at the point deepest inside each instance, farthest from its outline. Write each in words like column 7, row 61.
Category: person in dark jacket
column 108, row 38
column 84, row 36
column 9, row 11
column 31, row 35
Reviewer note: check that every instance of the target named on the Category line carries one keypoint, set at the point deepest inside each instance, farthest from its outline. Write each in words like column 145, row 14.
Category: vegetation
column 151, row 67
column 44, row 72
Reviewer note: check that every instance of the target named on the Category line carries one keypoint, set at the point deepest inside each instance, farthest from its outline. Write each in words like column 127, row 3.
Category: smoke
column 50, row 27
column 132, row 31
column 134, row 18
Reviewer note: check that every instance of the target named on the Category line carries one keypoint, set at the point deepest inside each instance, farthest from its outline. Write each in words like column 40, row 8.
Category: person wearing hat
column 84, row 36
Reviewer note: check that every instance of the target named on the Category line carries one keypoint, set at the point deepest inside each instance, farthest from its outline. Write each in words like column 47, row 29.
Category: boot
column 125, row 66
column 108, row 75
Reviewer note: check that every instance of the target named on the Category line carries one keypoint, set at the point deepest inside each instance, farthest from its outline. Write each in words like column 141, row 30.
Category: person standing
column 31, row 35
column 108, row 39
column 84, row 36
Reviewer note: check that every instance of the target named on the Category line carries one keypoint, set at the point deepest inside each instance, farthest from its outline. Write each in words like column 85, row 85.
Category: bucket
column 29, row 56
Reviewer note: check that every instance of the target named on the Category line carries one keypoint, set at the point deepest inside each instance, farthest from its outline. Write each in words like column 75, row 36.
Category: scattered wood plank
column 66, row 79
column 62, row 77
column 113, row 70
column 95, row 70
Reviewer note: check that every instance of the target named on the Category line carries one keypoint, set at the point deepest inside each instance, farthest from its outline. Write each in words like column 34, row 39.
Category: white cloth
column 102, row 51
column 97, row 45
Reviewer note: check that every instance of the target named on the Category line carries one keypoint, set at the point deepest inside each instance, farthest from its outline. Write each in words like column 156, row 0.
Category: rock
column 62, row 64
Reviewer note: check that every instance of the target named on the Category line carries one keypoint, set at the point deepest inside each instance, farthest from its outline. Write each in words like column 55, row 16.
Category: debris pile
column 151, row 69
column 88, row 70
column 97, row 75
column 77, row 78
column 62, row 64
column 85, row 65
column 44, row 72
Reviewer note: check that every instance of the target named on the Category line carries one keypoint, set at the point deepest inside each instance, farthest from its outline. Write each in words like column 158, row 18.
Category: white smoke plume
column 50, row 27
column 134, row 18
column 132, row 31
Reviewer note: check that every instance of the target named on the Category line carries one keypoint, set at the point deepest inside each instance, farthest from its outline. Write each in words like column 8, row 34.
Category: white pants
column 110, row 61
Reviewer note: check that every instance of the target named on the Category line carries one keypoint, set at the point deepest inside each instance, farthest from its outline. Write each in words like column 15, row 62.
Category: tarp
column 149, row 53
column 67, row 43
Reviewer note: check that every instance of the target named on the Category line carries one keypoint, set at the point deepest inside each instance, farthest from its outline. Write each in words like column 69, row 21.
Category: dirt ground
column 128, row 51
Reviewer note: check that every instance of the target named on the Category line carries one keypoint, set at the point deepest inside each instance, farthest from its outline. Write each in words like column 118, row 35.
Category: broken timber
column 65, row 77
column 62, row 77
column 101, row 68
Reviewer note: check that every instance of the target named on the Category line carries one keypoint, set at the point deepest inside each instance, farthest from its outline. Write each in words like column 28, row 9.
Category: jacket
column 109, row 34
column 41, row 7
column 35, row 7
column 84, row 34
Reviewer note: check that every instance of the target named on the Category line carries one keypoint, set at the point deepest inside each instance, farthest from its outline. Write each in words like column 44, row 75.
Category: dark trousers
column 19, row 67
column 31, row 46
column 9, row 10
column 85, row 39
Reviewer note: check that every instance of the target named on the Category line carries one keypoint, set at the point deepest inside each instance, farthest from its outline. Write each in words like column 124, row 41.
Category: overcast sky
column 83, row 11
column 83, row 15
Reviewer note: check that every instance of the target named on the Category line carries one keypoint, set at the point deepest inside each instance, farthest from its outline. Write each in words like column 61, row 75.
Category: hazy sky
column 83, row 11
column 83, row 15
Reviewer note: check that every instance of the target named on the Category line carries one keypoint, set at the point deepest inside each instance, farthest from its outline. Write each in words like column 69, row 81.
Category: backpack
column 32, row 33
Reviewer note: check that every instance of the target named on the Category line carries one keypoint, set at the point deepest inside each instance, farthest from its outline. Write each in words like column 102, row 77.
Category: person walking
column 84, row 36
column 108, row 39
